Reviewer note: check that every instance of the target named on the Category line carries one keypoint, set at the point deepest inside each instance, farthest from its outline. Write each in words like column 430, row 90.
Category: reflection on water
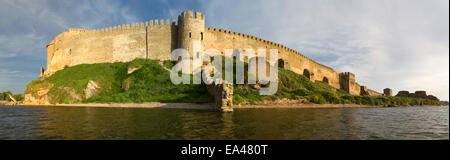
column 22, row 122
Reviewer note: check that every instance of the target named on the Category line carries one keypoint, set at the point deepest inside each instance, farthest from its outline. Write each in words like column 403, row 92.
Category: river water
column 22, row 122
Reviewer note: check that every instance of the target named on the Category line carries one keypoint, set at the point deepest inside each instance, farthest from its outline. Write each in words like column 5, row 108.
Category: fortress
column 156, row 40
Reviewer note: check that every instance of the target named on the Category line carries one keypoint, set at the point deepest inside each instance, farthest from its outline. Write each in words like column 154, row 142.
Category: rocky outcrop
column 30, row 99
column 38, row 94
column 133, row 69
column 126, row 84
column 92, row 89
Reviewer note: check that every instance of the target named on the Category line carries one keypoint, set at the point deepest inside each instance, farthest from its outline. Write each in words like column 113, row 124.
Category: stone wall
column 154, row 40
column 223, row 39
column 368, row 92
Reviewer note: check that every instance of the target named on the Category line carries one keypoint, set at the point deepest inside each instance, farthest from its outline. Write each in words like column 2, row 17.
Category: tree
column 18, row 97
column 2, row 96
column 6, row 95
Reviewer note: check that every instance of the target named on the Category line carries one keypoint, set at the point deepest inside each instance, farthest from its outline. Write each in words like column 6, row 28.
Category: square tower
column 387, row 92
column 347, row 83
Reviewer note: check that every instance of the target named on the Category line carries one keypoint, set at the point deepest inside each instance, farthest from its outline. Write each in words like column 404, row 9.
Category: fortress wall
column 223, row 39
column 113, row 44
column 374, row 93
column 156, row 39
column 162, row 39
column 73, row 48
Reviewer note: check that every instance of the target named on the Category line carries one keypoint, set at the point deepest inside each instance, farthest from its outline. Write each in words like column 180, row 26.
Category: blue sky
column 400, row 44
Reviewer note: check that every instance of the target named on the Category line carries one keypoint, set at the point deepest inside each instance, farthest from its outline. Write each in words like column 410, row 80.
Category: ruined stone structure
column 387, row 92
column 368, row 92
column 223, row 95
column 417, row 94
column 156, row 40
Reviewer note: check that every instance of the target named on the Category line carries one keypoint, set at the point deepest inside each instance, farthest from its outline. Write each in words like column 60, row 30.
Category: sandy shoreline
column 135, row 105
column 210, row 106
column 308, row 105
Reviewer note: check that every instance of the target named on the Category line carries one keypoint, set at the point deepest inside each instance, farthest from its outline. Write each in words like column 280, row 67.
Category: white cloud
column 26, row 27
column 401, row 44
column 5, row 71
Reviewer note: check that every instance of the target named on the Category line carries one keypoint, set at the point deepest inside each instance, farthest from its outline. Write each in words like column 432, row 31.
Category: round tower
column 190, row 28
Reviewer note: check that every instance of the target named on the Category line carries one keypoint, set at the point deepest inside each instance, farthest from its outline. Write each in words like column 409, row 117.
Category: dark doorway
column 280, row 63
column 307, row 74
column 325, row 79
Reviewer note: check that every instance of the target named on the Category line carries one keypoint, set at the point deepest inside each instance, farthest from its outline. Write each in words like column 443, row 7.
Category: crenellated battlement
column 269, row 44
column 78, row 30
column 129, row 27
column 348, row 74
column 190, row 15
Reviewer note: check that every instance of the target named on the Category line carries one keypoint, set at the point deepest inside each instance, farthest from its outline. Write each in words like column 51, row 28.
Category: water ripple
column 21, row 122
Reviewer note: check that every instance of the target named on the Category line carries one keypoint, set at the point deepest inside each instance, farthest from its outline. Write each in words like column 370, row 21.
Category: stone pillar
column 42, row 72
column 223, row 95
column 347, row 83
column 227, row 98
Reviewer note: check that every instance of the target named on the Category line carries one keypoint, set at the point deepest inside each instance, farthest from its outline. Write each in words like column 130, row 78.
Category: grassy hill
column 294, row 86
column 151, row 83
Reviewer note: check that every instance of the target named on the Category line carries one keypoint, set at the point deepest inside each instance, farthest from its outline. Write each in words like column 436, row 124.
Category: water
column 21, row 122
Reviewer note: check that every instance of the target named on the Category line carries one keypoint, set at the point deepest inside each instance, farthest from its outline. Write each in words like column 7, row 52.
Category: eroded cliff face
column 42, row 92
column 38, row 94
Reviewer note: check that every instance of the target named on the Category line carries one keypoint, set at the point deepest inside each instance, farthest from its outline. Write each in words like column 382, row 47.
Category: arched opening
column 190, row 34
column 280, row 63
column 201, row 35
column 306, row 73
column 325, row 79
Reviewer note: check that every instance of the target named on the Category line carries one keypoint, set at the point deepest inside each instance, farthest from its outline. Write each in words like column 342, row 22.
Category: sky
column 397, row 44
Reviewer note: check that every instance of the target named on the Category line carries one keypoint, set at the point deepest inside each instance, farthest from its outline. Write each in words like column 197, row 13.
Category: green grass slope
column 151, row 83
